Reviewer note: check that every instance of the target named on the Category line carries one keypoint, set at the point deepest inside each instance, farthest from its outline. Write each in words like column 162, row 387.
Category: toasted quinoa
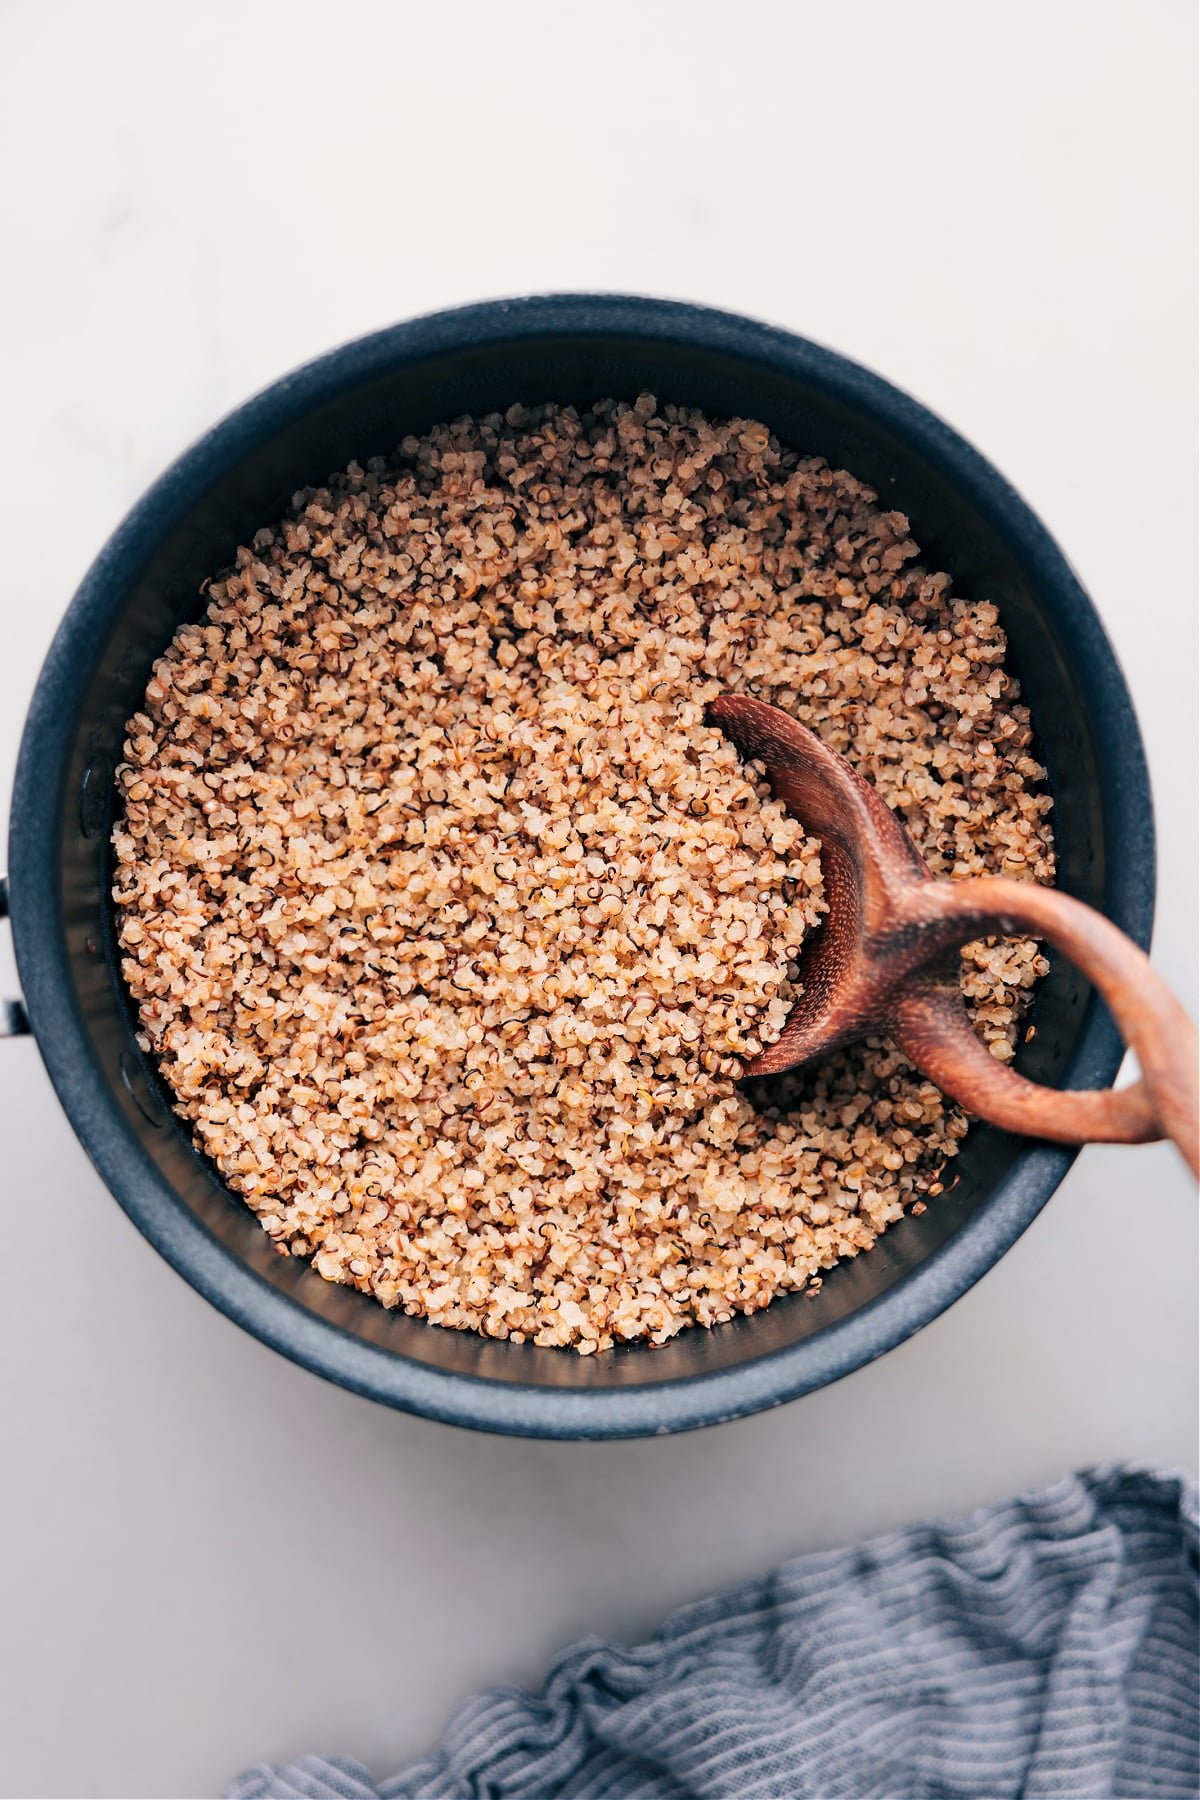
column 449, row 920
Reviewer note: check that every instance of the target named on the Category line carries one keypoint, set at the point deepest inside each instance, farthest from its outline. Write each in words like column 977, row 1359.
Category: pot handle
column 14, row 1020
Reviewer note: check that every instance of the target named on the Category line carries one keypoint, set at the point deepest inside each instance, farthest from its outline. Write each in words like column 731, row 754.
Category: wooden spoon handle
column 932, row 1027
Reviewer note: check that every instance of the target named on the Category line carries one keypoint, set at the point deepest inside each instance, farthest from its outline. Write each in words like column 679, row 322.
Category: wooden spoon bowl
column 885, row 959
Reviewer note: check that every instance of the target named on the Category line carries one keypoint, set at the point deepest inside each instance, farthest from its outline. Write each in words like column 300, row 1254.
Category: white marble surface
column 209, row 1556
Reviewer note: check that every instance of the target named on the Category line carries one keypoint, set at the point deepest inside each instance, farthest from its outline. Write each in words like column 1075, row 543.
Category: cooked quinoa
column 449, row 920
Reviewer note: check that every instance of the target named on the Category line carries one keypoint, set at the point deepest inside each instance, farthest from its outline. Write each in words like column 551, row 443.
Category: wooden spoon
column 884, row 959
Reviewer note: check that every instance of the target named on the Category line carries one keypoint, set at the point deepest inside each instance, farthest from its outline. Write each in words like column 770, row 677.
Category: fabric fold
column 1043, row 1649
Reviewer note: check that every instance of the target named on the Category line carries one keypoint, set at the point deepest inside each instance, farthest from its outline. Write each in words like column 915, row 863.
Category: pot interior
column 244, row 477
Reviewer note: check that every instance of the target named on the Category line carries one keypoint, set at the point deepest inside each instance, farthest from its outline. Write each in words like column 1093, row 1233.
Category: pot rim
column 217, row 1273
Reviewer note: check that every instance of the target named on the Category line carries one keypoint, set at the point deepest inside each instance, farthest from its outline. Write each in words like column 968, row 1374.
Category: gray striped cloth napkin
column 1045, row 1648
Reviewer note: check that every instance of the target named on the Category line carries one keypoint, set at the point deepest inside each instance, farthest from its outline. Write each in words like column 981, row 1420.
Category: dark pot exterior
column 359, row 401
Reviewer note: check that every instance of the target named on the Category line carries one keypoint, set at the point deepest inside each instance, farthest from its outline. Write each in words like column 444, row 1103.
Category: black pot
column 360, row 401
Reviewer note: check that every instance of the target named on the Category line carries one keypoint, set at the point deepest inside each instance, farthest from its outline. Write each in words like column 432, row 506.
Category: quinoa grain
column 449, row 920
